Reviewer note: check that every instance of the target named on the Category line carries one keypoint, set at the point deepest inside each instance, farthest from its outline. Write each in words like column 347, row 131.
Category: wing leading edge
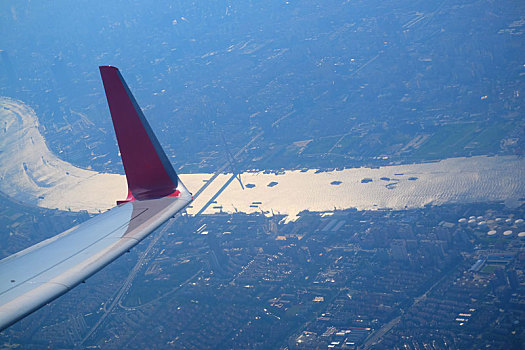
column 39, row 274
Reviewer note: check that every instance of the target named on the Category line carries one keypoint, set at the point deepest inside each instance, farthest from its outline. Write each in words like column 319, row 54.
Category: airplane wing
column 39, row 274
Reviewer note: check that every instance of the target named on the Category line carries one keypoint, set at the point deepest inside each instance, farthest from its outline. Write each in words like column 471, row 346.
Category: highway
column 116, row 300
column 127, row 283
column 377, row 335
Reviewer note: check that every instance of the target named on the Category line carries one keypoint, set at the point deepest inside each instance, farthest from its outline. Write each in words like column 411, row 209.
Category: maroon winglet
column 148, row 170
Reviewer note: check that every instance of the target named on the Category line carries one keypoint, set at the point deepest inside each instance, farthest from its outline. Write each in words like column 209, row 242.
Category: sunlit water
column 31, row 173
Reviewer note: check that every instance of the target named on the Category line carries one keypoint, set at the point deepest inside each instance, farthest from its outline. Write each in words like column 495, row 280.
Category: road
column 127, row 283
column 142, row 259
column 377, row 335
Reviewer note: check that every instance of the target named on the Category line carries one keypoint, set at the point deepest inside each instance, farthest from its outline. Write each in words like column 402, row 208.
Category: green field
column 321, row 145
column 445, row 141
column 490, row 268
column 455, row 140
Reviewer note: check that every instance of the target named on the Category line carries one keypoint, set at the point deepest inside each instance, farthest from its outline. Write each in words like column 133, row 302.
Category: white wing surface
column 37, row 275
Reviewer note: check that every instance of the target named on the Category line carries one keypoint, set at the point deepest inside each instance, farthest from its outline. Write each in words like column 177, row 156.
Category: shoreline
column 32, row 174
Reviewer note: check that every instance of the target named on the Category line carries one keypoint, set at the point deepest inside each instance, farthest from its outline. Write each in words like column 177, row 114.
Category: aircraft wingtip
column 148, row 169
column 107, row 68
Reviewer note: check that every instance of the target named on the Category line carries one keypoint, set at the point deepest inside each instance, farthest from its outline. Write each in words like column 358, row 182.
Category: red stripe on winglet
column 175, row 194
column 130, row 198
